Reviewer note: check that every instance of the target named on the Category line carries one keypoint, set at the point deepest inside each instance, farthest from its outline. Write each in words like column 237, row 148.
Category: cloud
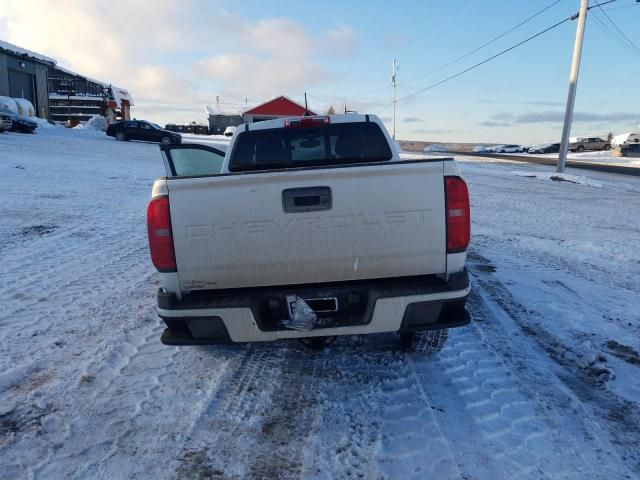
column 432, row 130
column 558, row 117
column 540, row 103
column 155, row 82
column 543, row 103
column 281, row 37
column 258, row 77
column 92, row 43
column 166, row 55
column 411, row 119
column 340, row 40
column 93, row 46
column 502, row 116
column 489, row 123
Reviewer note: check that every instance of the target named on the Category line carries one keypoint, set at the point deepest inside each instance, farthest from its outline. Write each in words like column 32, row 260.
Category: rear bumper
column 393, row 305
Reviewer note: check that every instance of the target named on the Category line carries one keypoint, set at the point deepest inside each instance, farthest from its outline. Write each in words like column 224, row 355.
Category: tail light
column 458, row 214
column 307, row 122
column 160, row 235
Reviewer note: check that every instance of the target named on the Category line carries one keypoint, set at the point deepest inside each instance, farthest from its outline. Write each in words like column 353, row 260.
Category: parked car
column 5, row 122
column 18, row 122
column 545, row 148
column 630, row 150
column 305, row 246
column 229, row 131
column 508, row 149
column 625, row 139
column 142, row 130
column 589, row 143
column 493, row 149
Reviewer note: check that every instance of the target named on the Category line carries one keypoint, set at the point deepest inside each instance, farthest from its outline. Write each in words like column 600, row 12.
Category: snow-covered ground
column 543, row 384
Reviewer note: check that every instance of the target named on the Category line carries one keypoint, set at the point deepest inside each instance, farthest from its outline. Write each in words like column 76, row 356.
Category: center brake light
column 160, row 234
column 307, row 122
column 458, row 214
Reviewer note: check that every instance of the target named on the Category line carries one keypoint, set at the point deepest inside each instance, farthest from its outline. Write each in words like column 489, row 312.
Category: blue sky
column 178, row 57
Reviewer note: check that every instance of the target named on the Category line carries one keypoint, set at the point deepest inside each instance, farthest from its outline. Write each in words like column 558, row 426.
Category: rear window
column 332, row 144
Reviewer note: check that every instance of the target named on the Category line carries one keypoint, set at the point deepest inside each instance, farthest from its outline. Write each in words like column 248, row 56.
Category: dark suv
column 18, row 122
column 142, row 130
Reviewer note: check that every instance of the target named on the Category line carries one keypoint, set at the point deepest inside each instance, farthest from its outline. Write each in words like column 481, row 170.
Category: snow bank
column 559, row 177
column 480, row 149
column 25, row 107
column 44, row 124
column 9, row 103
column 436, row 147
column 96, row 122
column 21, row 106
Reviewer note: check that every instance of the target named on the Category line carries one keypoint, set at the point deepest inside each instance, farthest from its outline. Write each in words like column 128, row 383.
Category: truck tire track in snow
column 561, row 386
column 373, row 420
column 219, row 443
column 342, row 413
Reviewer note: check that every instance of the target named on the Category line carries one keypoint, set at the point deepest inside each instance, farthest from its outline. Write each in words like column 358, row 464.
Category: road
column 603, row 165
column 542, row 384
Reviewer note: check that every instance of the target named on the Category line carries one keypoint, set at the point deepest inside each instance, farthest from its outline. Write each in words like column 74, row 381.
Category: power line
column 612, row 34
column 628, row 41
column 385, row 107
column 634, row 4
column 483, row 45
column 442, row 67
column 451, row 77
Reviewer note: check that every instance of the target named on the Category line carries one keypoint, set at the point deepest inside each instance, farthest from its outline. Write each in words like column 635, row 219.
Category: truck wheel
column 427, row 341
column 580, row 148
column 121, row 137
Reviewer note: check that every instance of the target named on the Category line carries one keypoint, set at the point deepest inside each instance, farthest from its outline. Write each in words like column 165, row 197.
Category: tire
column 166, row 141
column 121, row 137
column 426, row 341
column 545, row 151
column 607, row 147
column 580, row 148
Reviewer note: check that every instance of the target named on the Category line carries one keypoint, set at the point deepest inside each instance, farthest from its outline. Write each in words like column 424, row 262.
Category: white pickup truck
column 320, row 211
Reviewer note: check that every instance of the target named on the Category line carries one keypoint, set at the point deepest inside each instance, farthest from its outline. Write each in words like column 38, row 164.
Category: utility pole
column 573, row 85
column 393, row 83
column 217, row 104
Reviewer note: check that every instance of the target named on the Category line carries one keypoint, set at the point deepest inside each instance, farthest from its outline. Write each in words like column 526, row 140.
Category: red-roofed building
column 279, row 107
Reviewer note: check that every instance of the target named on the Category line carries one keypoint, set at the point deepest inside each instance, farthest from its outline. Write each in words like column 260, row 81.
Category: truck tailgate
column 384, row 220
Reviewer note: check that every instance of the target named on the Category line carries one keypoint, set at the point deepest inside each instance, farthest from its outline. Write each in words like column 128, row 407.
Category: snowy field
column 545, row 382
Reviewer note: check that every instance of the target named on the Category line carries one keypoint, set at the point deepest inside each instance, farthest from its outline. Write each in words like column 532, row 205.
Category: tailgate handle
column 308, row 199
